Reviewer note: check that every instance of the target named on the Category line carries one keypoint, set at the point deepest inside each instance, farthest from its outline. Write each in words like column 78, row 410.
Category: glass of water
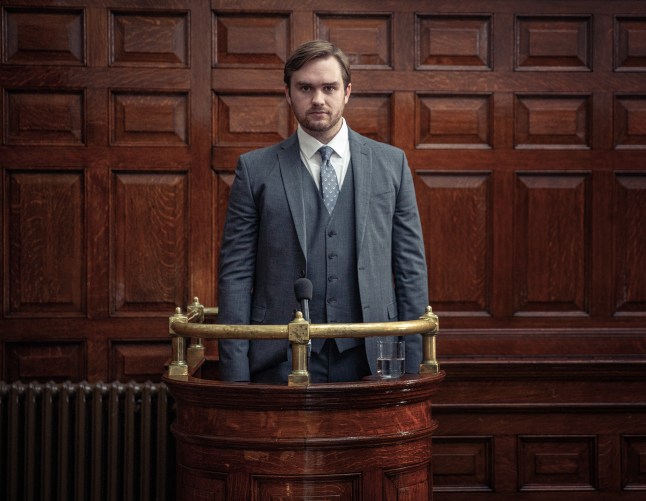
column 390, row 359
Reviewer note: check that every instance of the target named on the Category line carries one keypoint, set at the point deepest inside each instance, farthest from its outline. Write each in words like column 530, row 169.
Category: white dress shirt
column 340, row 158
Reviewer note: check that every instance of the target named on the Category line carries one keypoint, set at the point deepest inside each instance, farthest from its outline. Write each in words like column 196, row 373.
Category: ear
column 287, row 95
column 348, row 90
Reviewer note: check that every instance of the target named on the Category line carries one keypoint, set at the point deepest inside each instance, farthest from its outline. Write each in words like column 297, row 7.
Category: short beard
column 320, row 126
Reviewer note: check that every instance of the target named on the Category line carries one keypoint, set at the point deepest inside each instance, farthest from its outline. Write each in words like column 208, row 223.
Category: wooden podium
column 367, row 440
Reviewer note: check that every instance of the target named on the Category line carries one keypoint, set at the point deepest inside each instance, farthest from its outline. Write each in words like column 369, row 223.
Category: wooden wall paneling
column 138, row 360
column 524, row 126
column 630, row 33
column 134, row 118
column 251, row 120
column 150, row 119
column 372, row 113
column 552, row 243
column 45, row 228
column 553, row 121
column 459, row 206
column 630, row 121
column 561, row 43
column 150, row 231
column 149, row 39
column 63, row 43
column 578, row 465
column 454, row 121
column 557, row 462
column 630, row 244
column 42, row 360
column 463, row 462
column 251, row 39
column 633, row 451
column 454, row 42
column 368, row 36
column 45, row 118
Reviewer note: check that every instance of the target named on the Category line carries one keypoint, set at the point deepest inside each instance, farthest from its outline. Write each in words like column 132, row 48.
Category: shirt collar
column 310, row 146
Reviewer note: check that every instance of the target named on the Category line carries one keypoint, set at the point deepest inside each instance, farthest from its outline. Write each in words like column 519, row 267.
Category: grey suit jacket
column 263, row 249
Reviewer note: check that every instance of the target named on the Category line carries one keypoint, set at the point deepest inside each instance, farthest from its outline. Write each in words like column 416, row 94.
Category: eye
column 304, row 88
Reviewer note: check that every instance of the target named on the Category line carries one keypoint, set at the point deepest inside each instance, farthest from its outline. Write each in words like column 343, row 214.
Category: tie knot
column 326, row 153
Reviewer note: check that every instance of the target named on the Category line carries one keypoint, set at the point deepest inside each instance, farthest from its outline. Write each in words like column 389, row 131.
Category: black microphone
column 303, row 289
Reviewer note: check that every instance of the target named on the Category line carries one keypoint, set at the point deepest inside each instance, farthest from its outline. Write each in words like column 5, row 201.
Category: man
column 358, row 240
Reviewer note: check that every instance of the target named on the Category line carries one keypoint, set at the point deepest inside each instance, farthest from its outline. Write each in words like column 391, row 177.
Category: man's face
column 317, row 97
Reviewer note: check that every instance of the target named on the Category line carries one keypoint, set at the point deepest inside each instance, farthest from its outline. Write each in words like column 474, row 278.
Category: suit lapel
column 289, row 160
column 362, row 169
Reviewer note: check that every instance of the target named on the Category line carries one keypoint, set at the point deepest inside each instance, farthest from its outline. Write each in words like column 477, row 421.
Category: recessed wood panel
column 42, row 36
column 553, row 43
column 44, row 117
column 630, row 122
column 149, row 39
column 45, row 244
column 365, row 38
column 152, row 119
column 458, row 243
column 557, row 463
column 633, row 464
column 462, row 464
column 370, row 115
column 139, row 360
column 251, row 39
column 630, row 43
column 453, row 42
column 552, row 122
column 251, row 120
column 552, row 261
column 303, row 488
column 453, row 121
column 149, row 238
column 45, row 361
column 630, row 244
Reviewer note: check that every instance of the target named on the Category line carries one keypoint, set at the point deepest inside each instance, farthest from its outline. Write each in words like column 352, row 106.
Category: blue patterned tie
column 329, row 182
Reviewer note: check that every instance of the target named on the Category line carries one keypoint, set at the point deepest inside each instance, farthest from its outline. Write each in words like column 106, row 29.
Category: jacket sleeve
column 409, row 263
column 236, row 273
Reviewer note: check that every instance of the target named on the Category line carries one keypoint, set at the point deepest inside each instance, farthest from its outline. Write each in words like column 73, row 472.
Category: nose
column 318, row 97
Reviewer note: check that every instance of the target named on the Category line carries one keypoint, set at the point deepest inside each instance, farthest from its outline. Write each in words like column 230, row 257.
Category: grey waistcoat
column 331, row 258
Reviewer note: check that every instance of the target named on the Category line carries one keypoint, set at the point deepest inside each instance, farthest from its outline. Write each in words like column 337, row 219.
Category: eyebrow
column 324, row 84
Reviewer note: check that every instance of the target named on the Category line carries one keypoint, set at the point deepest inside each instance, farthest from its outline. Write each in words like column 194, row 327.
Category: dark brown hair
column 315, row 49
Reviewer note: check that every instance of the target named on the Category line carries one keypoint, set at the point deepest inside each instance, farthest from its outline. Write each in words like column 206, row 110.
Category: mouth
column 317, row 114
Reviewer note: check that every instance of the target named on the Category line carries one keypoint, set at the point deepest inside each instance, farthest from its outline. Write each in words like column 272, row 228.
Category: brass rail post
column 429, row 363
column 178, row 367
column 195, row 351
column 299, row 335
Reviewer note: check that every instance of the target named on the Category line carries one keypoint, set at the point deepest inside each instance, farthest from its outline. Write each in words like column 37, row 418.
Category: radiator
column 86, row 442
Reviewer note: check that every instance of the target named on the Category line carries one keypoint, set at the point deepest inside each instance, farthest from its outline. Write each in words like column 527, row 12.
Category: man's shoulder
column 376, row 146
column 268, row 151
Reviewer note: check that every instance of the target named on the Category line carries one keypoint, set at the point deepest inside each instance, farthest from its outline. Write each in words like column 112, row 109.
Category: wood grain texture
column 335, row 441
column 524, row 124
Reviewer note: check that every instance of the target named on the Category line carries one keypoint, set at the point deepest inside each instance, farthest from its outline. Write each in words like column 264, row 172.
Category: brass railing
column 299, row 332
